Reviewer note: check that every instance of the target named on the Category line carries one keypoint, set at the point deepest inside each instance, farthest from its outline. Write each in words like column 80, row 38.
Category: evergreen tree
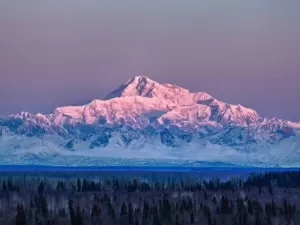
column 78, row 217
column 166, row 208
column 130, row 214
column 209, row 217
column 257, row 220
column 123, row 210
column 31, row 203
column 96, row 211
column 176, row 220
column 72, row 212
column 44, row 207
column 225, row 206
column 4, row 188
column 205, row 195
column 269, row 221
column 274, row 208
column 270, row 189
column 156, row 219
column 21, row 217
column 145, row 210
column 192, row 218
column 78, row 185
column 250, row 207
column 113, row 214
column 41, row 188
column 214, row 200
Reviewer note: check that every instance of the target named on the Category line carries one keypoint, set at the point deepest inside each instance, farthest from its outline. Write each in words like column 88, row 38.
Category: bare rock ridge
column 143, row 121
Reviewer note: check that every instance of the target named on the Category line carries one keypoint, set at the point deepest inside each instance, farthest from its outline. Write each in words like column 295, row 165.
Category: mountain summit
column 145, row 87
column 137, row 86
column 144, row 122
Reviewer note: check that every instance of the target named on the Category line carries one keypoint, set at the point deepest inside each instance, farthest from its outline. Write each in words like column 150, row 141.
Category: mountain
column 144, row 122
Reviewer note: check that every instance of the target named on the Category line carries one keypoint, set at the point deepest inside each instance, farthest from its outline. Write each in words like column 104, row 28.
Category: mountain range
column 145, row 123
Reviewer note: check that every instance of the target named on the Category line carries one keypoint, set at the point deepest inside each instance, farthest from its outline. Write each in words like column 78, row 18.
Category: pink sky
column 58, row 53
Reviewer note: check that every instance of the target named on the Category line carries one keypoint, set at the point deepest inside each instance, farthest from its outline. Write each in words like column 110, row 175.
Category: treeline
column 261, row 199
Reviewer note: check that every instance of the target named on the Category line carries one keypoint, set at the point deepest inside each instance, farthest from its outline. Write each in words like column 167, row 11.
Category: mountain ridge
column 143, row 119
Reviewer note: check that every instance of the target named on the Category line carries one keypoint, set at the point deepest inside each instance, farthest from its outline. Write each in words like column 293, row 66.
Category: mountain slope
column 144, row 122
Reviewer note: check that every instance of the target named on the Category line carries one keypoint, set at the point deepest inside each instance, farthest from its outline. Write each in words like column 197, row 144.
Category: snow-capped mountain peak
column 151, row 119
column 145, row 87
column 137, row 86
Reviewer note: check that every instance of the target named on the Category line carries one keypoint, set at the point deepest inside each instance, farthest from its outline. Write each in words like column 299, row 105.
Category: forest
column 271, row 198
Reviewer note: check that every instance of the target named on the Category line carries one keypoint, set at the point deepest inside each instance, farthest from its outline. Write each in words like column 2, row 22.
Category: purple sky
column 63, row 52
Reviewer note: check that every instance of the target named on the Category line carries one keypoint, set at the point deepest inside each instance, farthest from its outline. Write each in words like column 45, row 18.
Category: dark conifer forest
column 271, row 198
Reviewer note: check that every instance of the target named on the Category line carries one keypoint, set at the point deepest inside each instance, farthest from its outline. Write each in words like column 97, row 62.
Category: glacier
column 145, row 123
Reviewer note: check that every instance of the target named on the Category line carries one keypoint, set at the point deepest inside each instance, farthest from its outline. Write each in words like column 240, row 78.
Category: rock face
column 143, row 120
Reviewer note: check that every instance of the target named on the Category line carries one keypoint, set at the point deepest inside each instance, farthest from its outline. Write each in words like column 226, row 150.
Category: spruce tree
column 123, row 209
column 4, row 188
column 21, row 217
column 130, row 214
column 176, row 220
column 192, row 218
column 71, row 212
column 78, row 217
column 78, row 185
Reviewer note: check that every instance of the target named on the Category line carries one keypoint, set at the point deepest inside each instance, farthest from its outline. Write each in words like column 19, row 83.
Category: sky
column 68, row 52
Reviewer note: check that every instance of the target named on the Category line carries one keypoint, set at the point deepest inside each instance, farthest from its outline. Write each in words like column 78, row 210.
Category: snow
column 294, row 125
column 36, row 151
